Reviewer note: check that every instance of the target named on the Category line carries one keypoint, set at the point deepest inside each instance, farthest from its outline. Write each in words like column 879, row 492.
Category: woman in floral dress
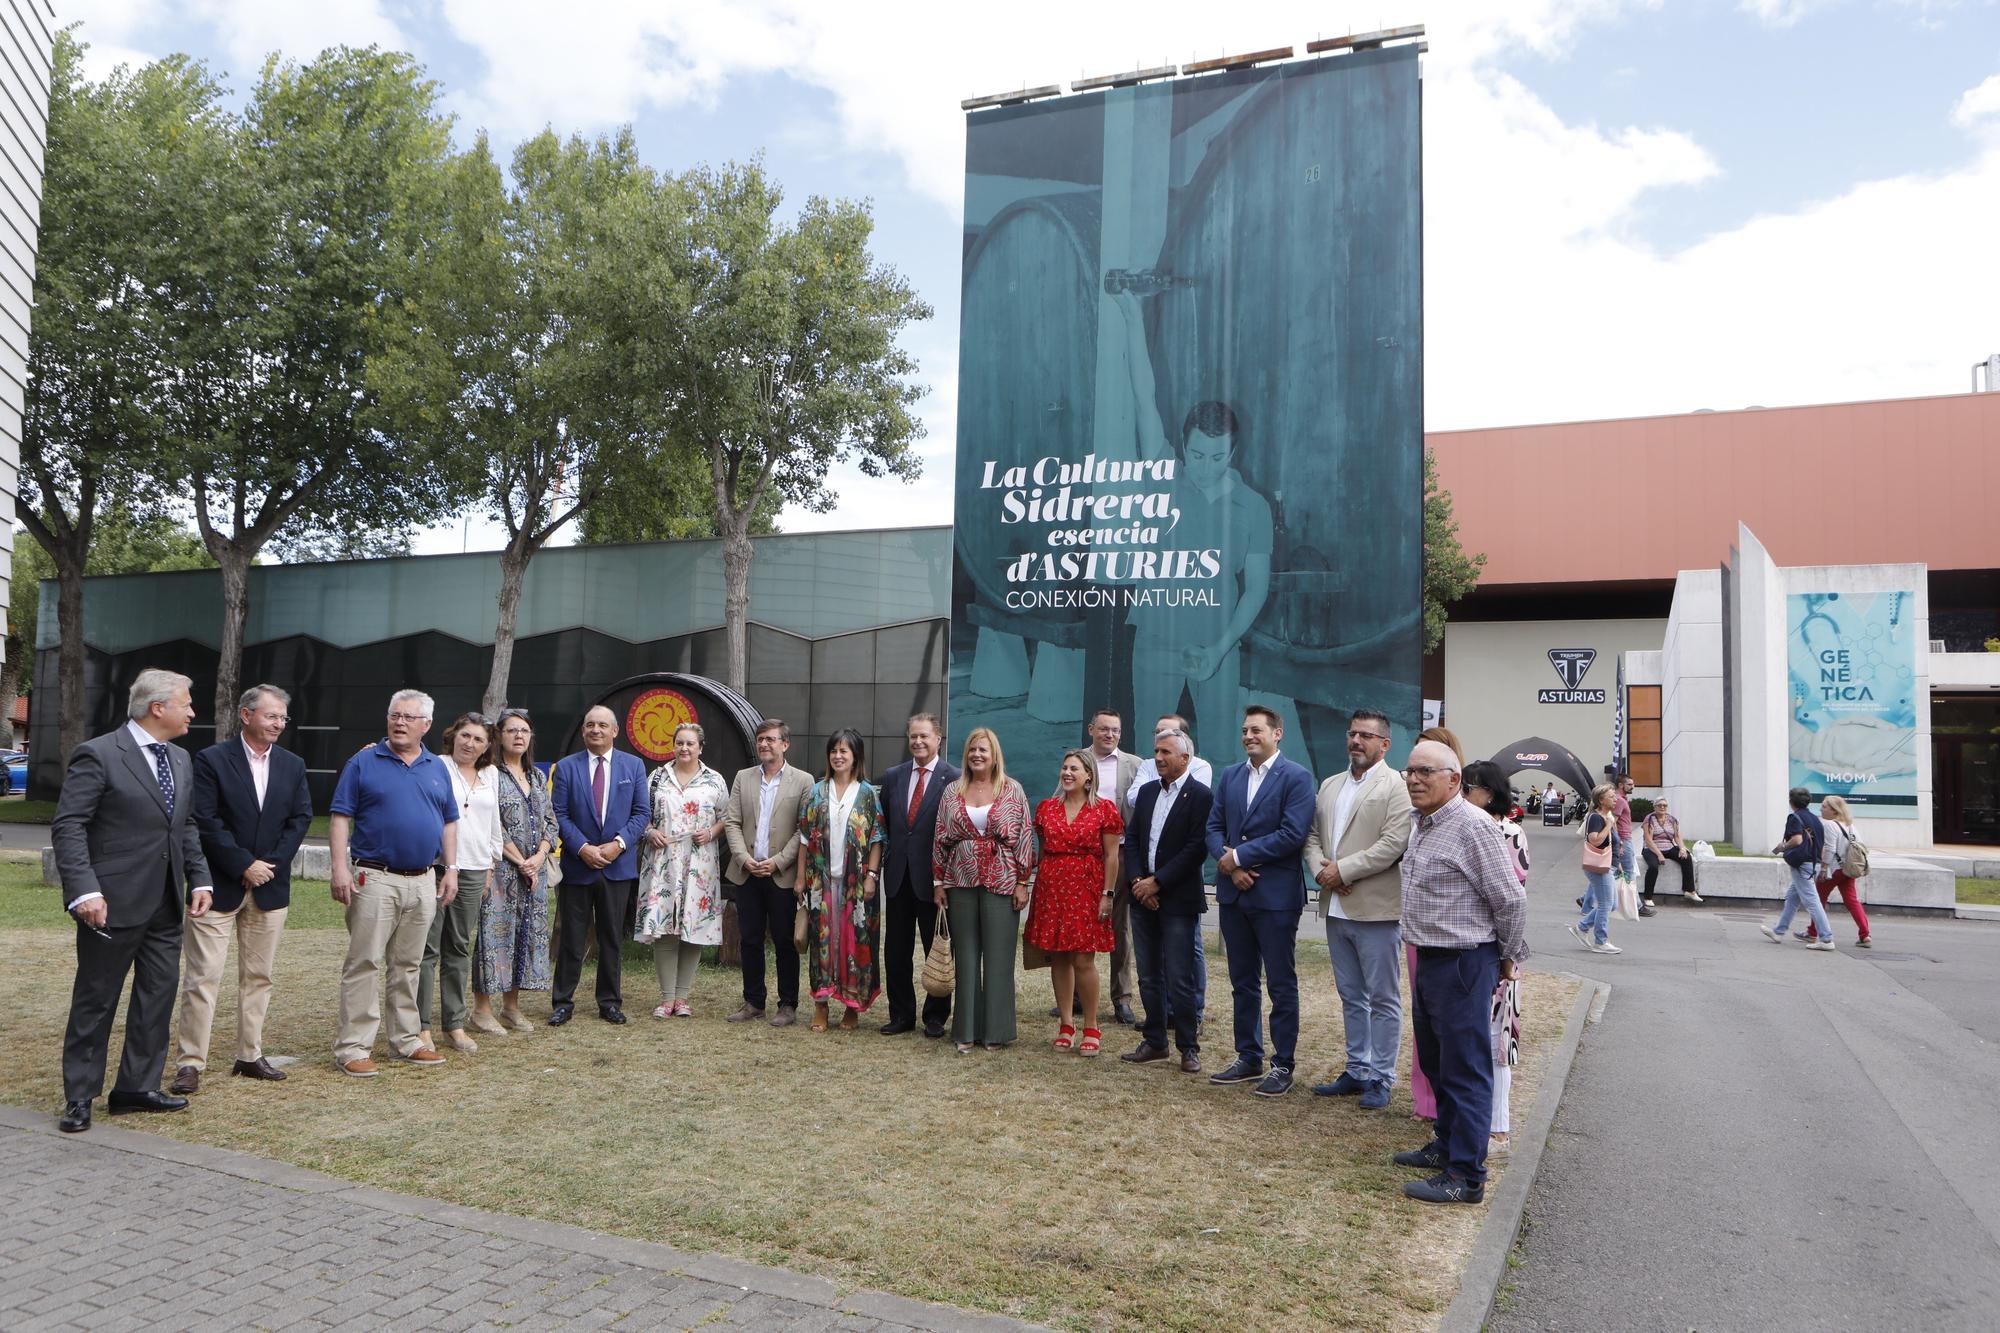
column 513, row 952
column 840, row 846
column 680, row 869
column 1071, row 917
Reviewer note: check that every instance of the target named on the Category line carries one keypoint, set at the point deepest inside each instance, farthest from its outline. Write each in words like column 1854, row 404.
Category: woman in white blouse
column 455, row 928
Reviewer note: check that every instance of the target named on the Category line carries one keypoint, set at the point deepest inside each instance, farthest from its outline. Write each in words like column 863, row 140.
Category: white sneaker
column 1772, row 935
column 1581, row 938
column 1692, row 896
column 1606, row 947
column 1822, row 946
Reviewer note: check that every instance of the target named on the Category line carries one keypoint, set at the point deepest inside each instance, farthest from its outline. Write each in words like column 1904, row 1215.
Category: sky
column 1631, row 206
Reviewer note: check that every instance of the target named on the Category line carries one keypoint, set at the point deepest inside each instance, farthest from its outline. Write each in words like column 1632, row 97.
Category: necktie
column 916, row 797
column 164, row 771
column 597, row 787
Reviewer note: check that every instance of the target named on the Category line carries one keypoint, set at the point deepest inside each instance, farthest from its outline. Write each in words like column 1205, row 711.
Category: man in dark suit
column 253, row 807
column 910, row 793
column 1257, row 831
column 602, row 811
column 125, row 847
column 1165, row 847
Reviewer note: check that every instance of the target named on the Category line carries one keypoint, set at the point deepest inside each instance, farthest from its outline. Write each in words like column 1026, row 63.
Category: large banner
column 1853, row 669
column 1190, row 422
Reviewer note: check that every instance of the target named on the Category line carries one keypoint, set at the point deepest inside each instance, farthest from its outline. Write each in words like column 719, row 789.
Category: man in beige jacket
column 762, row 829
column 1362, row 818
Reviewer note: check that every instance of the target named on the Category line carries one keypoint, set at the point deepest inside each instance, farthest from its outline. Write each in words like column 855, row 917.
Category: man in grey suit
column 125, row 846
column 762, row 833
column 1116, row 770
column 1360, row 829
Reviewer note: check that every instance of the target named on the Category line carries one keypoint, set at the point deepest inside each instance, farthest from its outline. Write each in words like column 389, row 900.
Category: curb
column 716, row 1268
column 1480, row 1285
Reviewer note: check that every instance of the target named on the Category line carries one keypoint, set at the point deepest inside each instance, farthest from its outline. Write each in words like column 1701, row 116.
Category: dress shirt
column 839, row 808
column 1107, row 777
column 1163, row 805
column 603, row 805
column 260, row 769
column 1258, row 772
column 1343, row 811
column 1149, row 771
column 1459, row 885
column 144, row 739
column 767, row 801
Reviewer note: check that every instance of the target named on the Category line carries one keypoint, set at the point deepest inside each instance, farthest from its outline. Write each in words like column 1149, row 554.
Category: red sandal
column 1065, row 1037
column 1093, row 1042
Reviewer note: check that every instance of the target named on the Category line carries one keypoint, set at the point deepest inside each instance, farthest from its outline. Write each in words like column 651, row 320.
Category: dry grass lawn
column 1073, row 1192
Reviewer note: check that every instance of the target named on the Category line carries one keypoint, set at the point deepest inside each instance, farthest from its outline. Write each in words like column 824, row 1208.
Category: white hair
column 1446, row 757
column 425, row 704
column 154, row 685
column 1178, row 737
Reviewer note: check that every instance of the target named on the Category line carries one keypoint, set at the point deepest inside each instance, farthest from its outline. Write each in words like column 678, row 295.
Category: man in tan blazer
column 1362, row 817
column 763, row 832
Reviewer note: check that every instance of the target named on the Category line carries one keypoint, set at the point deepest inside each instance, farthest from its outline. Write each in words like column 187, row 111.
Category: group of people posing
column 444, row 865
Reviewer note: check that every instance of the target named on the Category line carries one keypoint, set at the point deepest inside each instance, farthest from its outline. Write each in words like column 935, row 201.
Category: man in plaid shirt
column 1467, row 913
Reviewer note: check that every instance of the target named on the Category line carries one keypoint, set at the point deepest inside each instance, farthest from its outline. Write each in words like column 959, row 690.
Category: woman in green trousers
column 983, row 863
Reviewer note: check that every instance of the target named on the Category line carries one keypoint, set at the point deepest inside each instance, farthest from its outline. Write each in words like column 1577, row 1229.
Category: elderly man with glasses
column 395, row 816
column 1466, row 913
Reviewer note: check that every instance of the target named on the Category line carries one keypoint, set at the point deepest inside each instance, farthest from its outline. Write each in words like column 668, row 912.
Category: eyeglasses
column 506, row 713
column 1366, row 735
column 480, row 718
column 1421, row 771
column 411, row 718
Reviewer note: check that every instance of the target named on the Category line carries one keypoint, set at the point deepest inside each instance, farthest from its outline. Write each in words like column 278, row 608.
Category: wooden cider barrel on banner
column 1031, row 291
column 1293, row 244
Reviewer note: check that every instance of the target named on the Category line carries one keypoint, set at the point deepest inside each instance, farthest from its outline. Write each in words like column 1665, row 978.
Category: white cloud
column 1780, row 13
column 1979, row 107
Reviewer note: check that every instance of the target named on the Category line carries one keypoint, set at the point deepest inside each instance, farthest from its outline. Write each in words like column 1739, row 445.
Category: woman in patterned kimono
column 513, row 951
column 840, row 847
column 680, row 869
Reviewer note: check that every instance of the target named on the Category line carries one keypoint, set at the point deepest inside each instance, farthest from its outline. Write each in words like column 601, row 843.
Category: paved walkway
column 1758, row 1137
column 119, row 1229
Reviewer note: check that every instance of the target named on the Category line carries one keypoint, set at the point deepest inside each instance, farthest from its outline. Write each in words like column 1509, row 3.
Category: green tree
column 125, row 207
column 675, row 507
column 773, row 356
column 520, row 349
column 1449, row 573
column 325, row 219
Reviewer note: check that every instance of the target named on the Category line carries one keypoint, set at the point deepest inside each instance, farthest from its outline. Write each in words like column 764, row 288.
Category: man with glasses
column 1361, row 824
column 1466, row 912
column 603, row 810
column 253, row 808
column 395, row 816
column 762, row 830
column 1198, row 770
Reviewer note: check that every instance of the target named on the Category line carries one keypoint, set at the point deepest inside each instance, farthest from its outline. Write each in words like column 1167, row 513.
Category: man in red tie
column 910, row 794
column 602, row 811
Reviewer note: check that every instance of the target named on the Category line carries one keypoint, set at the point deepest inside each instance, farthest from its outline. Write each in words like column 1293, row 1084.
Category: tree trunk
column 736, row 553
column 513, row 570
column 235, row 565
column 70, row 652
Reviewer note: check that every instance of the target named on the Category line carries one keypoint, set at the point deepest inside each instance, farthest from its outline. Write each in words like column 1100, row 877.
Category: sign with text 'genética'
column 1852, row 675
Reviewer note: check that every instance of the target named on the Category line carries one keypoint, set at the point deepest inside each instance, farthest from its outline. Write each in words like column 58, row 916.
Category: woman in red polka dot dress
column 1070, row 917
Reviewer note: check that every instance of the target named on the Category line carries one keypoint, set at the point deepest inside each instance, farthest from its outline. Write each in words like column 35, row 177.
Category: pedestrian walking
column 1593, row 932
column 1834, row 873
column 1803, row 844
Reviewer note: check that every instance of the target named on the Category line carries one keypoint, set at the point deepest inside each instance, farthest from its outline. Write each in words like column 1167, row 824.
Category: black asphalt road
column 1757, row 1137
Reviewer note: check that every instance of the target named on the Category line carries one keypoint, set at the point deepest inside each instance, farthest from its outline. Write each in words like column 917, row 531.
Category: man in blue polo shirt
column 394, row 817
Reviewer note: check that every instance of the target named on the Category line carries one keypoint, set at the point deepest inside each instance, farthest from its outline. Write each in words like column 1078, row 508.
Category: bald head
column 600, row 728
column 1433, row 776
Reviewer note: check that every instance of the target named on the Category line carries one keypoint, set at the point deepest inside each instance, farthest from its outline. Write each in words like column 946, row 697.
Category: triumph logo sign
column 1572, row 665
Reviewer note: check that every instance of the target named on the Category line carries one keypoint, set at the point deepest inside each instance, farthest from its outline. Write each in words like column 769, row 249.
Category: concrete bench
column 1893, row 881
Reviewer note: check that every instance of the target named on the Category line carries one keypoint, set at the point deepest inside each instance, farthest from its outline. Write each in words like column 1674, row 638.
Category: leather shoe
column 124, row 1102
column 896, row 1027
column 1242, row 1071
column 259, row 1068
column 936, row 1030
column 560, row 1015
column 612, row 1014
column 787, row 1015
column 75, row 1117
column 1190, row 1063
column 745, row 1014
column 1146, row 1054
column 187, row 1081
column 1122, row 1012
column 1345, row 1086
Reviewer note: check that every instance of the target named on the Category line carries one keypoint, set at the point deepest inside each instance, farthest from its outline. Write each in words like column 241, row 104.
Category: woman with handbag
column 1839, row 826
column 1593, row 931
column 1078, row 833
column 841, row 838
column 983, row 863
column 680, row 869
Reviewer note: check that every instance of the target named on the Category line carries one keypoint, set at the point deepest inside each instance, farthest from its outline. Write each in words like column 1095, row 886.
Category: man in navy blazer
column 1165, row 847
column 1256, row 832
column 253, row 808
column 601, row 811
column 910, row 793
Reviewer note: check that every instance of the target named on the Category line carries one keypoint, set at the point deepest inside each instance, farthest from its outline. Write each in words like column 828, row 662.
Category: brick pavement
column 120, row 1229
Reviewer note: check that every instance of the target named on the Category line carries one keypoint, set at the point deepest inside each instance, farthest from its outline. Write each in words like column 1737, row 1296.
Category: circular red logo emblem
column 652, row 719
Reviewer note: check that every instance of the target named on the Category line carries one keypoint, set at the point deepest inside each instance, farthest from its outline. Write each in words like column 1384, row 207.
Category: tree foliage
column 1449, row 573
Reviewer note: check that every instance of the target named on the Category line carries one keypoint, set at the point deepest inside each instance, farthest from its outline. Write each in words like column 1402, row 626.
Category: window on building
column 1642, row 734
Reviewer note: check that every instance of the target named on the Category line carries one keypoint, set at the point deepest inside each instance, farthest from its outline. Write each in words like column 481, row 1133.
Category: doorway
column 1965, row 767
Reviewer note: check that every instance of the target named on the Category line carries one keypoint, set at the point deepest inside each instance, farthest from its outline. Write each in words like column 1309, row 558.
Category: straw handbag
column 801, row 926
column 940, row 970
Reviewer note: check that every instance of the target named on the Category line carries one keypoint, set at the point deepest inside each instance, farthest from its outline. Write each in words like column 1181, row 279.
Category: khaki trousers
column 388, row 922
column 205, row 947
